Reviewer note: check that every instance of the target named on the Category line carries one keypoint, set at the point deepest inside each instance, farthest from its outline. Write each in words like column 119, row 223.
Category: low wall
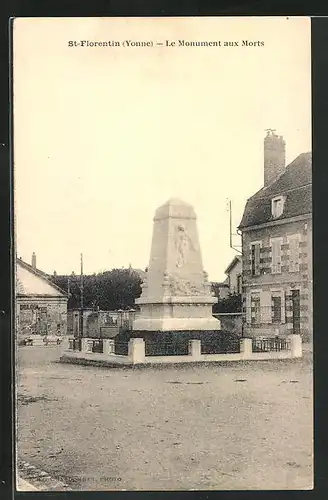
column 40, row 340
column 136, row 353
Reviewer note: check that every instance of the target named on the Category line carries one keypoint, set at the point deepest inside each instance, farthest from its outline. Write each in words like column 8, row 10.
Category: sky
column 104, row 135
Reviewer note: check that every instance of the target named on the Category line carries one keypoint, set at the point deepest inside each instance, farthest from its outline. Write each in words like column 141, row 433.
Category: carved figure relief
column 183, row 245
column 144, row 285
column 179, row 286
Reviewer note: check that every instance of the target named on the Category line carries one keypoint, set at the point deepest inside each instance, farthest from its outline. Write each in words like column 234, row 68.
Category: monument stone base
column 176, row 314
column 176, row 324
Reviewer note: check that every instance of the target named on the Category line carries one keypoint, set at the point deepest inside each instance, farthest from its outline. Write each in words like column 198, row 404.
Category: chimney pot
column 33, row 260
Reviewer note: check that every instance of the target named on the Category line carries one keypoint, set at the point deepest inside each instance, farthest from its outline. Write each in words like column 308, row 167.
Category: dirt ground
column 228, row 426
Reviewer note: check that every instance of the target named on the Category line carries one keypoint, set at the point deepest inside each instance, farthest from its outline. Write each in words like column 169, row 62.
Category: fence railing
column 220, row 347
column 75, row 344
column 121, row 348
column 136, row 350
column 97, row 345
column 165, row 348
column 273, row 344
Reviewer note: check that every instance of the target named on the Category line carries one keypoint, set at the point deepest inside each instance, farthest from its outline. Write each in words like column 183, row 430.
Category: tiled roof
column 295, row 183
column 233, row 263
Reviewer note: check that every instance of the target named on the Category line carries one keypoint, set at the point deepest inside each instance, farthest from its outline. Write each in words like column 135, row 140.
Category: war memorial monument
column 176, row 299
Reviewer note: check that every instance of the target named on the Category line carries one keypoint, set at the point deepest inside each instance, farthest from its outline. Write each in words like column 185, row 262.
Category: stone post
column 194, row 349
column 108, row 346
column 86, row 345
column 136, row 351
column 295, row 346
column 64, row 346
column 246, row 348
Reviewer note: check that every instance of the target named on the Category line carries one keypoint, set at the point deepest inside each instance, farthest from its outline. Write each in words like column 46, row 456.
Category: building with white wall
column 41, row 306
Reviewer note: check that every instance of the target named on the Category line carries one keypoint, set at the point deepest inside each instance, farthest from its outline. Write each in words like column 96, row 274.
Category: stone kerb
column 136, row 351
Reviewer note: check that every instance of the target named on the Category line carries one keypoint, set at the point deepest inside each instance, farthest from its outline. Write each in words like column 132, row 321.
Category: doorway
column 296, row 312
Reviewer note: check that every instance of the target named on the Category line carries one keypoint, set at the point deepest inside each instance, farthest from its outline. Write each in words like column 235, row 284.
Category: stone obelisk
column 176, row 294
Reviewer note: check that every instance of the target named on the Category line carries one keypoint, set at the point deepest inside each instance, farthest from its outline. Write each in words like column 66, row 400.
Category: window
column 265, row 296
column 296, row 311
column 293, row 241
column 255, row 309
column 278, row 306
column 276, row 309
column 255, row 258
column 277, row 206
column 239, row 283
column 276, row 255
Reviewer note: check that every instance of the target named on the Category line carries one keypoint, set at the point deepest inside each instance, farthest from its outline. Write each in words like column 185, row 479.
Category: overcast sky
column 104, row 135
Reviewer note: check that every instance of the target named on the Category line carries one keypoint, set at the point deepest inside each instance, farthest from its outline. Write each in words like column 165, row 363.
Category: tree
column 109, row 290
column 231, row 304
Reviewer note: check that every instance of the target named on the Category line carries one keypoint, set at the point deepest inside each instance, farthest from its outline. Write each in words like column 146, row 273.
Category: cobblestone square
column 222, row 427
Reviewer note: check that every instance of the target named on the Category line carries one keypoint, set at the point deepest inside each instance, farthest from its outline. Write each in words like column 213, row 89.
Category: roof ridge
column 42, row 275
column 283, row 191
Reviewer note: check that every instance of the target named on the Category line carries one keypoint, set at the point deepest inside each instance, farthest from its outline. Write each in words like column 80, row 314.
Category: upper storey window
column 277, row 206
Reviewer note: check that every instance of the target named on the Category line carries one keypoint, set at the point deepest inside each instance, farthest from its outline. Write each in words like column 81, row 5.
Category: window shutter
column 266, row 307
column 283, row 307
column 293, row 254
column 248, row 308
column 278, row 253
column 273, row 257
column 257, row 258
column 276, row 256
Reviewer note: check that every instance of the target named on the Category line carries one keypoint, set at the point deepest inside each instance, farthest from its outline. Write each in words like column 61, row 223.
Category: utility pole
column 81, row 298
column 239, row 251
column 231, row 233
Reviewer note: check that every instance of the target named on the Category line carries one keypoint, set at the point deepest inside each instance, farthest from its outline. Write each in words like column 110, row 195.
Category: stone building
column 220, row 289
column 234, row 273
column 97, row 323
column 41, row 306
column 232, row 283
column 276, row 230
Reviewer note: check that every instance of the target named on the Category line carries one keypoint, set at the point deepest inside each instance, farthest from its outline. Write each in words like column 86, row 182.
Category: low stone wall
column 137, row 353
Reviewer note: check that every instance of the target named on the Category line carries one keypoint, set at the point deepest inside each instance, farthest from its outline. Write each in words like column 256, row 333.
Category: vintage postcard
column 163, row 232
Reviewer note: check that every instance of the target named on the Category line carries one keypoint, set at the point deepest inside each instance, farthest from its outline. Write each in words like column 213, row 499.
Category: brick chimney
column 33, row 260
column 274, row 157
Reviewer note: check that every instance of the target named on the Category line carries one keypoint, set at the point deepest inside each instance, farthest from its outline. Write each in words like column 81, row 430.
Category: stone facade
column 234, row 275
column 41, row 307
column 41, row 315
column 290, row 288
column 98, row 323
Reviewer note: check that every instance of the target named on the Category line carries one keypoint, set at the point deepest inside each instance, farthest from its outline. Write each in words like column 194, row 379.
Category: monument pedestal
column 176, row 314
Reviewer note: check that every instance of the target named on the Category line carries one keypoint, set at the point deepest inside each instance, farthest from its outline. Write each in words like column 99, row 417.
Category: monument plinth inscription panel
column 176, row 294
